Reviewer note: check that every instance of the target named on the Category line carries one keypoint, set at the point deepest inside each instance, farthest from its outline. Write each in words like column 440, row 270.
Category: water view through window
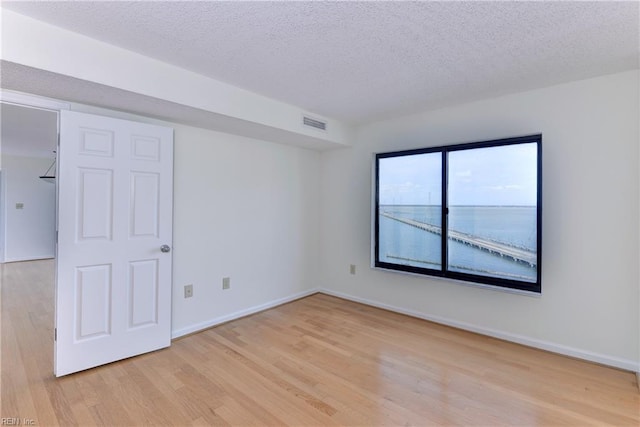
column 411, row 201
column 490, row 218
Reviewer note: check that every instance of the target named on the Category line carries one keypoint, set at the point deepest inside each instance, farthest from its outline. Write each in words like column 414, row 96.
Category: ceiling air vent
column 314, row 123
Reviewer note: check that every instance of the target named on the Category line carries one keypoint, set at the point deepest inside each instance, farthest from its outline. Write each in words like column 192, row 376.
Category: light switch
column 19, row 205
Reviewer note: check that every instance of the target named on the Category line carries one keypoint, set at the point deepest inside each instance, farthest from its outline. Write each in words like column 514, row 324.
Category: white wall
column 589, row 305
column 29, row 233
column 247, row 210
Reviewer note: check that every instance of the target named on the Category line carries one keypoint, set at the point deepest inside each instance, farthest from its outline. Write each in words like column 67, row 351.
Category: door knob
column 165, row 248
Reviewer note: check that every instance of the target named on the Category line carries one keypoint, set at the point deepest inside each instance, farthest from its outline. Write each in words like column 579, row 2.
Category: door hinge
column 55, row 334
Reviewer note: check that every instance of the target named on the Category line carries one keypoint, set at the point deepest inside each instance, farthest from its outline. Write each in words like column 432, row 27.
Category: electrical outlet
column 19, row 205
column 352, row 269
column 188, row 291
column 226, row 282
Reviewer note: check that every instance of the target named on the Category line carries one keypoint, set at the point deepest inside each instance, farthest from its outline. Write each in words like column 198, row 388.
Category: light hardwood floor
column 316, row 361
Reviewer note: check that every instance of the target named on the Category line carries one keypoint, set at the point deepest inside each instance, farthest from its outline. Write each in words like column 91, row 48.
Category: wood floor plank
column 317, row 361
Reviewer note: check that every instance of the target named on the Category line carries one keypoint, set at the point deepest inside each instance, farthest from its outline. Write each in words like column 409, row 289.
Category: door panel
column 115, row 202
column 145, row 192
column 93, row 304
column 143, row 293
column 95, row 203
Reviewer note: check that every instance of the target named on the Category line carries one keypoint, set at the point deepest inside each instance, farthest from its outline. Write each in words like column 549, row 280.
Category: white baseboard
column 238, row 314
column 628, row 365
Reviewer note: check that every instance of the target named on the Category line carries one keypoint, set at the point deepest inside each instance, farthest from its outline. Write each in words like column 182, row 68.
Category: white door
column 113, row 276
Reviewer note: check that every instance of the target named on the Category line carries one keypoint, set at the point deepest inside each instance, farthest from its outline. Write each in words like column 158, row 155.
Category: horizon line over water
column 458, row 206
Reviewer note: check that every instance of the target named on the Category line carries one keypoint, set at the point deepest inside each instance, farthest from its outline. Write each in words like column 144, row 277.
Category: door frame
column 33, row 101
column 3, row 215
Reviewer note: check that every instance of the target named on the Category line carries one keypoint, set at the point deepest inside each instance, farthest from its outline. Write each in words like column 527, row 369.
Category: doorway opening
column 28, row 142
column 29, row 138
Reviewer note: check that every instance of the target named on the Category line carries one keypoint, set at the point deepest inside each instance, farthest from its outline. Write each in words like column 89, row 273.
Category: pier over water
column 497, row 248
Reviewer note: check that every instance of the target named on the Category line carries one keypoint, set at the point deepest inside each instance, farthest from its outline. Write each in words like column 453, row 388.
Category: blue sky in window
column 494, row 176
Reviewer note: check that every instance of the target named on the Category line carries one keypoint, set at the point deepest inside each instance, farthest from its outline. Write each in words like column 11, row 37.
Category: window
column 469, row 212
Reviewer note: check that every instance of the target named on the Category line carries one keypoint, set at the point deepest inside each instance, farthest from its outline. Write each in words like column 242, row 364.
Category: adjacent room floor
column 316, row 361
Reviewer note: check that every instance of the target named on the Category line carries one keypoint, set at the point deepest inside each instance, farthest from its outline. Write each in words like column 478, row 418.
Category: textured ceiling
column 363, row 61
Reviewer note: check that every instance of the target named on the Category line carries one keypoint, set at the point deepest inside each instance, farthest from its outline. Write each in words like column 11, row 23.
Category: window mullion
column 445, row 212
